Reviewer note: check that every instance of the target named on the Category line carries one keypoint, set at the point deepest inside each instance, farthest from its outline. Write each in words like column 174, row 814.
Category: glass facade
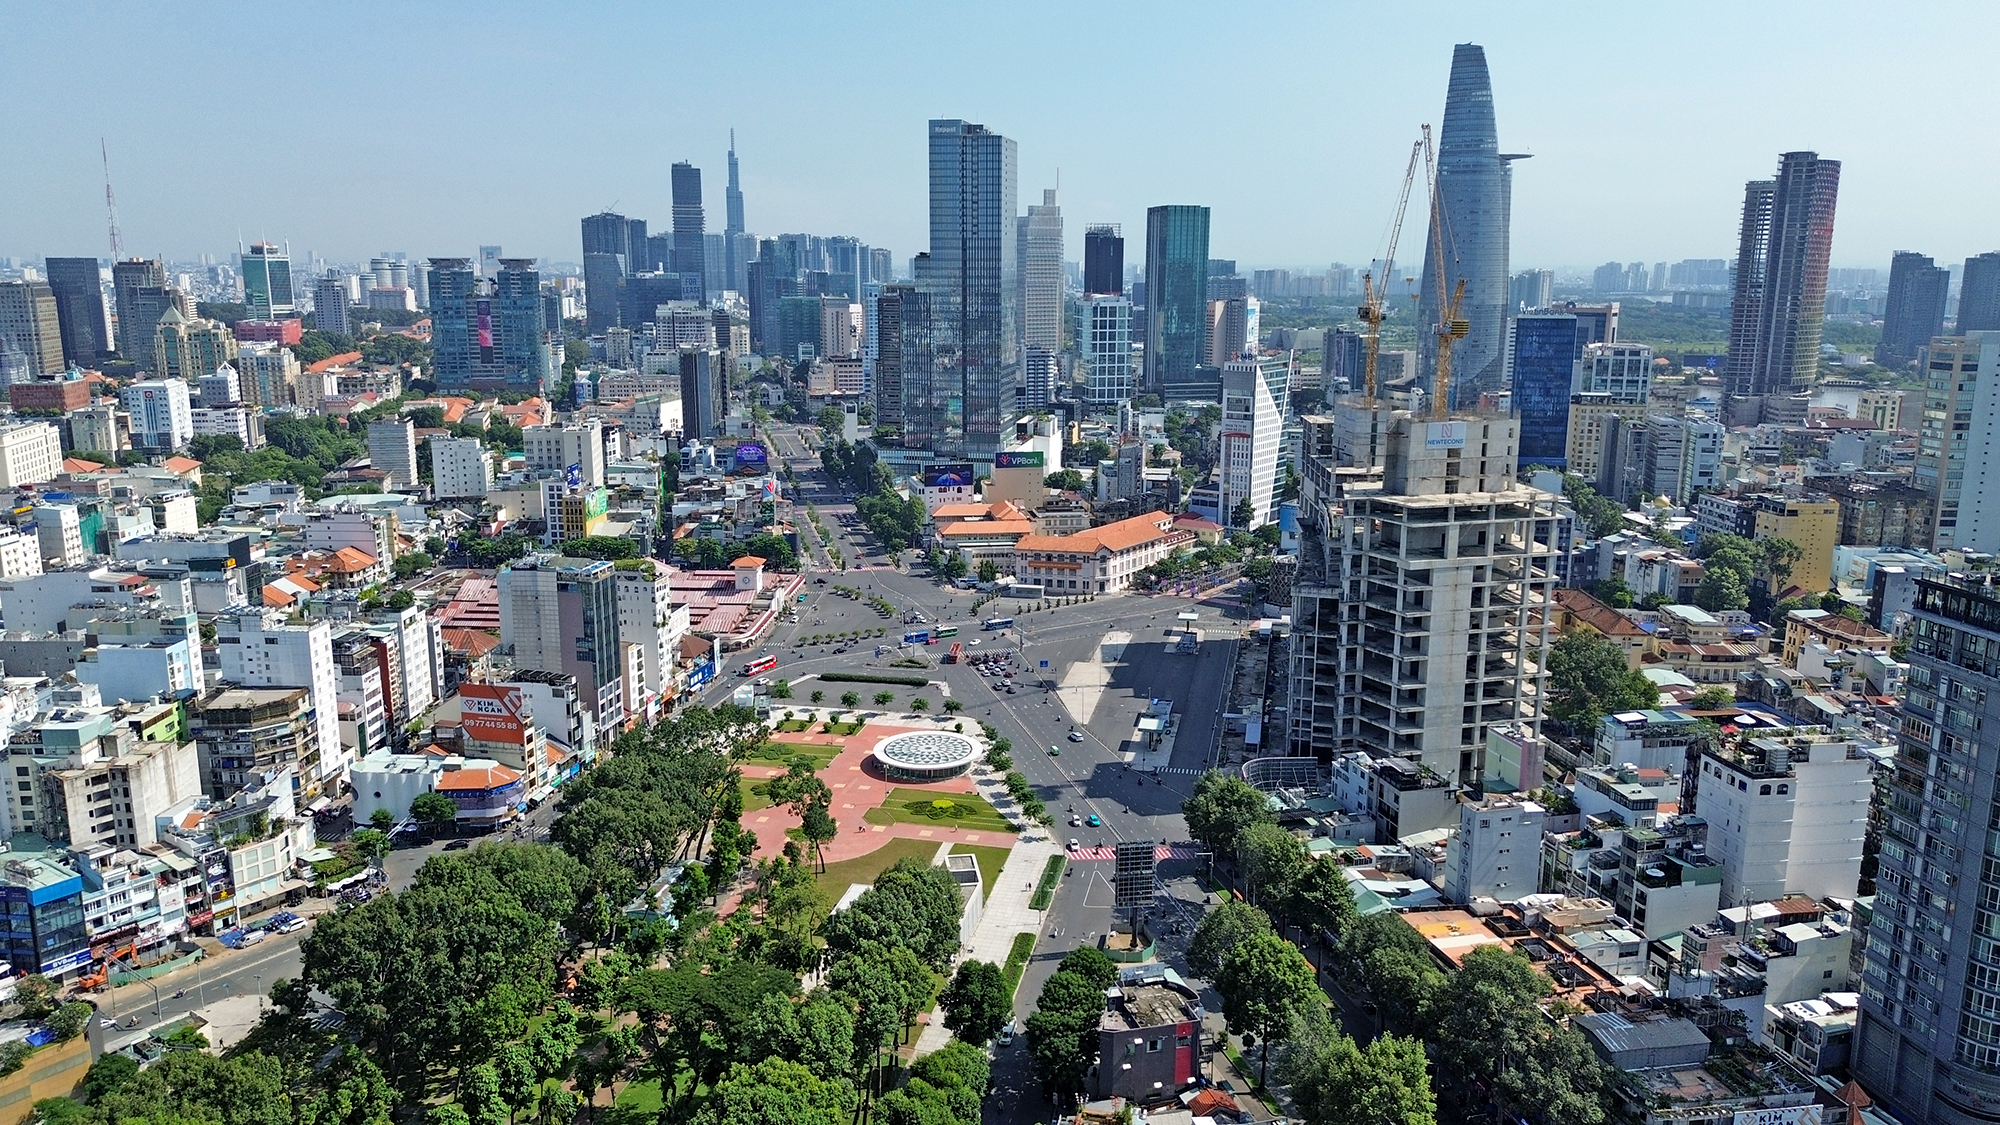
column 690, row 249
column 267, row 282
column 1106, row 334
column 1176, row 293
column 1474, row 184
column 972, row 274
column 1541, row 359
column 491, row 339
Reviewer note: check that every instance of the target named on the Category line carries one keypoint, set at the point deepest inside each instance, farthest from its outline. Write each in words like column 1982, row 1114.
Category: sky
column 352, row 128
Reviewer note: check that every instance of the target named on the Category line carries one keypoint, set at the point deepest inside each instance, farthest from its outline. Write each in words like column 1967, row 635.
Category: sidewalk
column 1005, row 914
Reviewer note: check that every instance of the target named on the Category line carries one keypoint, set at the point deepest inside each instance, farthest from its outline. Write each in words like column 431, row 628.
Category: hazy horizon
column 350, row 130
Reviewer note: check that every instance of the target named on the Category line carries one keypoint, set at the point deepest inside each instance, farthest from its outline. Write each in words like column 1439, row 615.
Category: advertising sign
column 948, row 476
column 595, row 504
column 573, row 476
column 1034, row 459
column 491, row 713
column 1444, row 435
column 751, row 455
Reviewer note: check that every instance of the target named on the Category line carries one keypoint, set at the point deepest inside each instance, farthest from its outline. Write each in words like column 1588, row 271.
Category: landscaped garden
column 927, row 808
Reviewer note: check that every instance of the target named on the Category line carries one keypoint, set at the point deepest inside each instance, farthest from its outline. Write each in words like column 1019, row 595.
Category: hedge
column 873, row 678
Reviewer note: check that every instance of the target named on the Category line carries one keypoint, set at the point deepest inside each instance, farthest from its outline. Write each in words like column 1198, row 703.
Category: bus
column 759, row 665
column 917, row 637
column 947, row 631
column 997, row 623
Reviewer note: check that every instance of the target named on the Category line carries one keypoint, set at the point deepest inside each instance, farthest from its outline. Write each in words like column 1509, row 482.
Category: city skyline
column 1628, row 174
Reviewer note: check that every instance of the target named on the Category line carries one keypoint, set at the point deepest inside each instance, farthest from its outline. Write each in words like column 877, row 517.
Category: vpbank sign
column 1445, row 435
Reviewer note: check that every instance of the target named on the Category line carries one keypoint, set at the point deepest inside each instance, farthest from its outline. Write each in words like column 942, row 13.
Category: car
column 1010, row 689
column 1073, row 845
column 1094, row 821
column 458, row 845
column 1076, row 736
column 973, row 643
column 1006, row 1036
column 288, row 923
column 1055, row 751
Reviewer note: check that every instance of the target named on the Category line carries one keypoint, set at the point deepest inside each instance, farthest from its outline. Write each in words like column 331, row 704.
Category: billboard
column 1027, row 460
column 948, row 476
column 751, row 455
column 491, row 713
column 1444, row 435
column 596, row 503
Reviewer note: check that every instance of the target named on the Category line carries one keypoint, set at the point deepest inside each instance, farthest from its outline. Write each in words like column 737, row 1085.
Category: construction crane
column 1452, row 325
column 111, row 203
column 1371, row 311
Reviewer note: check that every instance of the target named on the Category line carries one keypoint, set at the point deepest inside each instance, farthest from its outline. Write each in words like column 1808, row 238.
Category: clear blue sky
column 349, row 128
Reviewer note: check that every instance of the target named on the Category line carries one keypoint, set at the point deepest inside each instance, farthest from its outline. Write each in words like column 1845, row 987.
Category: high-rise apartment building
column 392, row 449
column 1421, row 603
column 1041, row 249
column 1960, row 428
column 557, row 448
column 330, row 295
column 189, row 349
column 31, row 326
column 490, row 335
column 139, row 295
column 1233, row 328
column 1253, row 414
column 1041, row 373
column 690, row 249
column 1927, row 1041
column 259, row 650
column 1623, row 371
column 971, row 274
column 267, row 282
column 30, row 453
column 78, row 285
column 561, row 615
column 1475, row 189
column 1104, row 336
column 1541, row 373
column 162, row 414
column 1103, row 260
column 1915, row 309
column 887, row 327
column 1979, row 294
column 1779, row 307
column 1176, row 293
column 840, row 327
column 460, row 469
column 704, row 391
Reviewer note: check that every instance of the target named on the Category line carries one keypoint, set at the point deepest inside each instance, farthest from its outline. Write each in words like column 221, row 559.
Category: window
column 1152, row 1046
column 1763, row 790
column 1784, row 789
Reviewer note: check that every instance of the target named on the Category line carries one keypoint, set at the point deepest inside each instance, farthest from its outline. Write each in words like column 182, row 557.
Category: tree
column 1321, row 901
column 70, row 1020
column 1712, row 698
column 1272, row 860
column 433, row 811
column 818, row 696
column 1588, row 679
column 1336, row 1082
column 912, row 905
column 1244, row 513
column 608, row 547
column 884, row 698
column 778, row 1092
column 953, row 706
column 1266, row 987
column 831, row 419
column 372, row 843
column 1068, row 480
column 920, row 704
column 1225, row 928
column 1062, row 1032
column 818, row 1033
column 1721, row 590
column 1612, row 592
column 1776, row 557
column 1222, row 806
column 382, row 820
column 1090, row 963
column 976, row 1003
column 850, row 699
column 1488, row 1029
column 781, row 690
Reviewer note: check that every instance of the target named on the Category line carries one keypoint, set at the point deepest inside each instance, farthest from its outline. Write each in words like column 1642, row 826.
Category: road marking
column 1160, row 852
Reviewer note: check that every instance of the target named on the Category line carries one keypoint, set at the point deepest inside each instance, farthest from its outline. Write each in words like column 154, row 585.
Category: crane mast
column 1452, row 325
column 1371, row 311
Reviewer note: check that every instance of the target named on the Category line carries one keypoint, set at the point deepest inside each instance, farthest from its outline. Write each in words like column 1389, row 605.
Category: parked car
column 457, row 845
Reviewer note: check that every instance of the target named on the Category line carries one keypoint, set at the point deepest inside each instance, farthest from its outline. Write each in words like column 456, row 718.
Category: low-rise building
column 1149, row 1037
column 1098, row 561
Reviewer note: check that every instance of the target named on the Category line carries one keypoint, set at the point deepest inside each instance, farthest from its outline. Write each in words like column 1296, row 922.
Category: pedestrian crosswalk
column 1161, row 852
column 1194, row 771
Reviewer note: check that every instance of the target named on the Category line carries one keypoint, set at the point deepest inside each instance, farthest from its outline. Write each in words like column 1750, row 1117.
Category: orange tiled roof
column 351, row 560
column 967, row 511
column 180, row 464
column 476, row 777
column 1121, row 536
column 340, row 360
column 76, row 466
column 749, row 560
column 1596, row 614
column 471, row 642
column 965, row 529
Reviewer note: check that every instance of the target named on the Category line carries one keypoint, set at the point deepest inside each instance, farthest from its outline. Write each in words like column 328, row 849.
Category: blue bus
column 997, row 623
column 917, row 637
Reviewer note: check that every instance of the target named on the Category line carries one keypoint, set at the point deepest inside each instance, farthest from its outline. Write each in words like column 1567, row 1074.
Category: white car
column 1006, row 1036
column 973, row 643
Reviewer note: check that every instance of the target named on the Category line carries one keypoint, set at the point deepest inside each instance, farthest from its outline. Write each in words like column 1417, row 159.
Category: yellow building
column 1583, row 444
column 1814, row 525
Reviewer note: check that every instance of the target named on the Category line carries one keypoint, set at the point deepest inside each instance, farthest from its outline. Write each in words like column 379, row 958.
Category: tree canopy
column 1588, row 679
column 1222, row 807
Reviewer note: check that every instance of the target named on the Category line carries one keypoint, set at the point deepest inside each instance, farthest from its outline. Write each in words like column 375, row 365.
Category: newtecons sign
column 491, row 713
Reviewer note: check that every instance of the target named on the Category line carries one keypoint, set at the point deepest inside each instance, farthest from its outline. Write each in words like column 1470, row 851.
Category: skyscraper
column 1104, row 336
column 330, row 303
column 1915, row 310
column 78, row 285
column 141, row 294
column 733, row 236
column 1531, row 289
column 606, row 250
column 267, row 282
column 971, row 274
column 1979, row 294
column 886, row 322
column 1041, row 249
column 1475, row 185
column 1959, row 427
column 30, row 325
column 1927, row 1039
column 690, row 252
column 489, row 335
column 1541, row 373
column 1780, row 301
column 1176, row 293
column 1253, row 413
column 1103, row 260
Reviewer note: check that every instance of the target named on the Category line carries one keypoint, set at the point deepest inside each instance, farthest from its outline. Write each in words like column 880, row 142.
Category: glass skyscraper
column 1176, row 293
column 1915, row 311
column 78, row 284
column 1103, row 260
column 488, row 336
column 1541, row 368
column 267, row 282
column 971, row 274
column 690, row 250
column 1475, row 193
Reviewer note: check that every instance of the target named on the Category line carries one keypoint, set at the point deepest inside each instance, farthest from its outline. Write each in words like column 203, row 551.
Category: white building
column 1041, row 267
column 20, row 555
column 1495, row 852
column 162, row 413
column 649, row 621
column 1786, row 815
column 1104, row 335
column 259, row 650
column 331, row 529
column 30, row 453
column 60, row 530
column 1683, row 455
column 1624, row 371
column 419, row 655
column 238, row 422
column 554, row 448
column 1253, row 417
column 680, row 324
column 392, row 448
column 221, row 387
column 1041, row 371
column 460, row 469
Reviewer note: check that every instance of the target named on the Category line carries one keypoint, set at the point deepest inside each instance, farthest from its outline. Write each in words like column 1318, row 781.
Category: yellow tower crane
column 1452, row 325
column 1371, row 311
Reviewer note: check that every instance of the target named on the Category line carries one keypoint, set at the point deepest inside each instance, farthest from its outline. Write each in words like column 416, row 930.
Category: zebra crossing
column 1160, row 852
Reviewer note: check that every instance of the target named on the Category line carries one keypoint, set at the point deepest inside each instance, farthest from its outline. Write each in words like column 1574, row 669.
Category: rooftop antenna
column 111, row 203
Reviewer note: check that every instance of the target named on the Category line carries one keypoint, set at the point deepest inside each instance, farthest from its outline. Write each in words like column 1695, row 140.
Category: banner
column 1028, row 460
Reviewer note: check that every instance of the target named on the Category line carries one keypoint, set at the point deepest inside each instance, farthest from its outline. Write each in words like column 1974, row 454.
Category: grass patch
column 1045, row 890
column 843, row 729
column 780, row 754
column 990, row 861
column 944, row 810
column 794, row 726
column 872, row 678
column 641, row 1098
column 867, row 868
column 1017, row 961
column 756, row 792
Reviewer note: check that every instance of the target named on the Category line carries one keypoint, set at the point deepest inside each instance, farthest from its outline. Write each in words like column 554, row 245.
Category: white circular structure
column 925, row 755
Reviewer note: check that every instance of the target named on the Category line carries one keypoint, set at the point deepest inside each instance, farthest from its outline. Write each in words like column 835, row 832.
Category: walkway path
column 1006, row 913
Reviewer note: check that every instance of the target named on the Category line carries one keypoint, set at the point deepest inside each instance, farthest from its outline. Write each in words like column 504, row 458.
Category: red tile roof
column 476, row 777
column 340, row 360
column 1121, row 536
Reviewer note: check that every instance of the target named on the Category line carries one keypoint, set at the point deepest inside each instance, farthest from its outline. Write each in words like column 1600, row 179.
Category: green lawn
column 781, row 754
column 914, row 806
column 866, row 869
column 1017, row 961
column 990, row 859
column 842, row 729
column 752, row 800
column 794, row 726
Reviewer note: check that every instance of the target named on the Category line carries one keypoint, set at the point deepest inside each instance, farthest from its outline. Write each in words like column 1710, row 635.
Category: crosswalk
column 1161, row 852
column 1186, row 771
